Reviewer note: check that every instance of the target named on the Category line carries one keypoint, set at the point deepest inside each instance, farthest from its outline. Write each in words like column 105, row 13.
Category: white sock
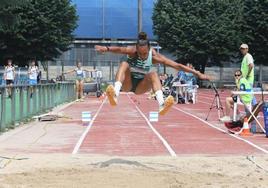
column 117, row 87
column 159, row 97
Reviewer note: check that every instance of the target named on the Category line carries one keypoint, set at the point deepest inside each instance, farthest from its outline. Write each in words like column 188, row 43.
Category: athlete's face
column 79, row 65
column 33, row 63
column 9, row 62
column 244, row 51
column 143, row 52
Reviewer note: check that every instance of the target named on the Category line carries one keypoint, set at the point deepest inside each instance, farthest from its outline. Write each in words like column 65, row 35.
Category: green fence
column 22, row 105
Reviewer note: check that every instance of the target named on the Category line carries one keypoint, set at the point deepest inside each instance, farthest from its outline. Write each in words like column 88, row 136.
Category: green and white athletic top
column 79, row 74
column 139, row 68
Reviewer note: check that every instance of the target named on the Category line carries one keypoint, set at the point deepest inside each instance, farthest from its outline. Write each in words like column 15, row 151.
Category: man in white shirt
column 9, row 76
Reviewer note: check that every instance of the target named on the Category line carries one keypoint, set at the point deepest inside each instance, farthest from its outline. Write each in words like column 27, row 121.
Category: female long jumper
column 135, row 74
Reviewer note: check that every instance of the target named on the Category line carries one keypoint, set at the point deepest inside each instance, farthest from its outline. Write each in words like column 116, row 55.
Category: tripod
column 216, row 103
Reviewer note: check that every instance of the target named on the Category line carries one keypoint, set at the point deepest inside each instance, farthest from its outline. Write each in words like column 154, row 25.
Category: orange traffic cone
column 245, row 130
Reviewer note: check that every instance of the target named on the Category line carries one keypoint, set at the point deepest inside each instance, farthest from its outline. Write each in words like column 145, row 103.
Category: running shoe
column 110, row 92
column 167, row 105
column 226, row 119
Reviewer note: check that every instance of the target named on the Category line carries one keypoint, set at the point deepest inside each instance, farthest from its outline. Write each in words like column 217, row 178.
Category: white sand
column 61, row 170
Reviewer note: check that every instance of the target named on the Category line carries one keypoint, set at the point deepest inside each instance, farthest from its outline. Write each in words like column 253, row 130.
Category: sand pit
column 61, row 170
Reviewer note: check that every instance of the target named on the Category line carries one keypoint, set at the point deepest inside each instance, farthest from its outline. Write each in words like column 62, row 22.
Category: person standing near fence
column 79, row 80
column 9, row 76
column 247, row 69
column 33, row 73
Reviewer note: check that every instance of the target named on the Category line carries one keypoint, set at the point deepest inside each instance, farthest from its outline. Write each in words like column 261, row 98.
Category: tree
column 8, row 20
column 44, row 30
column 196, row 31
column 255, row 29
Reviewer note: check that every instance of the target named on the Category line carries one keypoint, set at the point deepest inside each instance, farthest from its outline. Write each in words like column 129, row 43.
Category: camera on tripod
column 214, row 88
column 216, row 103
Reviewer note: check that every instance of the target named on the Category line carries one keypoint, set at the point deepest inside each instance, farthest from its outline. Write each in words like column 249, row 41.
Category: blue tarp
column 112, row 18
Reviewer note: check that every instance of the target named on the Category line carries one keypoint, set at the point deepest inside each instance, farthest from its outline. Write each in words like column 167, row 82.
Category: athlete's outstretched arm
column 116, row 49
column 158, row 58
column 90, row 70
column 67, row 72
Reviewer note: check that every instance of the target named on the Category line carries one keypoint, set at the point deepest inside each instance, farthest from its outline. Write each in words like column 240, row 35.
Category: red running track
column 124, row 131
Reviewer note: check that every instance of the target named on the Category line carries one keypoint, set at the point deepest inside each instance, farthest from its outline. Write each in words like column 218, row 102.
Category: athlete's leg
column 123, row 80
column 77, row 88
column 82, row 89
column 151, row 80
column 9, row 89
column 229, row 102
column 123, row 75
column 229, row 105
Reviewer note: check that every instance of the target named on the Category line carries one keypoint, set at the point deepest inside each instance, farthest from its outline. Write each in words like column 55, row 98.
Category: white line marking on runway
column 219, row 129
column 83, row 136
column 166, row 144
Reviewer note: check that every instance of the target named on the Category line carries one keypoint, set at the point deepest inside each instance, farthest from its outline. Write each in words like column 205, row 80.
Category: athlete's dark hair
column 142, row 40
column 142, row 36
column 8, row 58
column 78, row 61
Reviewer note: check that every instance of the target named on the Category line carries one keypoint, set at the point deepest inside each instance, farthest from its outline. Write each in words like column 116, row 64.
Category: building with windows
column 112, row 19
column 106, row 22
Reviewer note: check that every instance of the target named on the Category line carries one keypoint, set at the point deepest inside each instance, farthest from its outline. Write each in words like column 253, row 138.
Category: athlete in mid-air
column 135, row 74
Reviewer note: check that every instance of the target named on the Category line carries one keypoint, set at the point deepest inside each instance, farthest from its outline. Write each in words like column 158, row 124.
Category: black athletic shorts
column 135, row 82
column 8, row 82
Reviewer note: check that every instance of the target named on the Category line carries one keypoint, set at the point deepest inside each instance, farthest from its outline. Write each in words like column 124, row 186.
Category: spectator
column 181, row 77
column 190, row 78
column 33, row 73
column 39, row 76
column 247, row 65
column 9, row 76
column 79, row 70
column 246, row 99
column 247, row 69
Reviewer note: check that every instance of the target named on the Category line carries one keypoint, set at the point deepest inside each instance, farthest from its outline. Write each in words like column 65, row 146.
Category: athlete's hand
column 205, row 76
column 101, row 49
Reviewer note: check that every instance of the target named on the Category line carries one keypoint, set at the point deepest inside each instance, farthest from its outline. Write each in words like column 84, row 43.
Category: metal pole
column 139, row 16
column 47, row 70
column 3, row 110
column 158, row 65
column 103, row 20
column 260, row 73
column 62, row 68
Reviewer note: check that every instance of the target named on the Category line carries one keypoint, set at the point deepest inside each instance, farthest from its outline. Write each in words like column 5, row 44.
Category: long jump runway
column 125, row 130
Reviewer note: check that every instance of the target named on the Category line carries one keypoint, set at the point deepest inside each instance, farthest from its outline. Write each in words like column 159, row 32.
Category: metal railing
column 21, row 105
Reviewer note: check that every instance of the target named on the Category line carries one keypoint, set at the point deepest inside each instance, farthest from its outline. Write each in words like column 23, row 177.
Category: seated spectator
column 162, row 78
column 181, row 77
column 239, row 123
column 168, row 80
column 190, row 78
column 246, row 99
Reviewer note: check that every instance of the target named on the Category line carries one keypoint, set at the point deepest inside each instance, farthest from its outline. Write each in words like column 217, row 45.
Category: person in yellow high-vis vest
column 242, row 85
column 247, row 69
column 247, row 65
